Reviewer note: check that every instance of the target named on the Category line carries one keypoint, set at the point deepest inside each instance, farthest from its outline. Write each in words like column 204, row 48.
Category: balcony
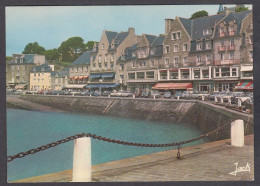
column 231, row 47
column 222, row 48
column 226, row 62
column 222, row 34
column 231, row 33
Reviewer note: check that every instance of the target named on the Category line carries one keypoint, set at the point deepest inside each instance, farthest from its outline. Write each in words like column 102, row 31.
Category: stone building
column 18, row 69
column 59, row 79
column 142, row 62
column 105, row 71
column 79, row 72
column 40, row 77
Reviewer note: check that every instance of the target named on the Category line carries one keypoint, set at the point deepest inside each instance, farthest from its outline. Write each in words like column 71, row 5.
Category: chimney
column 168, row 25
column 131, row 30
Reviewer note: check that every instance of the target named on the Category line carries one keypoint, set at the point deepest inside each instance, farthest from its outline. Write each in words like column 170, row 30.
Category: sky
column 51, row 25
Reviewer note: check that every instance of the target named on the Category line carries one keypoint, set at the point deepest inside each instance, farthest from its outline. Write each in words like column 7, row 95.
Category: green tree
column 8, row 58
column 71, row 48
column 241, row 9
column 198, row 14
column 52, row 54
column 34, row 48
column 90, row 45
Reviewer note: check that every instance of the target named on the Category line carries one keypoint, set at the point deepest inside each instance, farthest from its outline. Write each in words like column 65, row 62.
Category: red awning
column 85, row 77
column 173, row 70
column 245, row 85
column 163, row 70
column 76, row 77
column 172, row 86
column 70, row 77
column 185, row 69
column 80, row 77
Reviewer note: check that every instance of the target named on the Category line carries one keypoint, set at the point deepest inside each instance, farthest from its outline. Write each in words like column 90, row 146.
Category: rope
column 65, row 140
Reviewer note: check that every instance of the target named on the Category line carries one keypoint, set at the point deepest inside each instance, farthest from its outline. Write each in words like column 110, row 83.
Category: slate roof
column 83, row 59
column 187, row 23
column 42, row 68
column 150, row 38
column 158, row 41
column 28, row 58
column 110, row 36
column 62, row 73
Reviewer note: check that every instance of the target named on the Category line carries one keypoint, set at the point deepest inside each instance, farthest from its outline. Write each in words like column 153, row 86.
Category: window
column 167, row 61
column 234, row 71
column 163, row 74
column 105, row 57
column 247, row 74
column 81, row 69
column 99, row 58
column 112, row 65
column 150, row 75
column 217, row 72
column 225, row 72
column 176, row 61
column 144, row 63
column 231, row 28
column 199, row 46
column 122, row 77
column 185, row 60
column 208, row 58
column 140, row 75
column 105, row 65
column 140, row 64
column 185, row 74
column 231, row 56
column 222, row 56
column 133, row 64
column 94, row 65
column 103, row 46
column 131, row 75
column 175, row 48
column 112, row 57
column 222, row 43
column 207, row 31
column 122, row 67
column 185, row 47
column 197, row 74
column 198, row 59
column 208, row 45
column 167, row 49
column 152, row 63
column 77, row 69
column 178, row 35
column 174, row 74
column 152, row 51
column 134, row 53
column 221, row 30
column 173, row 36
column 99, row 65
column 205, row 73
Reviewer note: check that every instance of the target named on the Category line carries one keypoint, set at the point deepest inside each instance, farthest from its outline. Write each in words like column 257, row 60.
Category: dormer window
column 231, row 30
column 103, row 46
column 199, row 46
column 175, row 35
column 123, row 56
column 113, row 45
column 207, row 31
column 152, row 51
column 208, row 45
column 133, row 53
column 167, row 49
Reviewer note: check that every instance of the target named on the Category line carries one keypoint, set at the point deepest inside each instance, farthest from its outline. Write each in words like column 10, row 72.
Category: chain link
column 65, row 140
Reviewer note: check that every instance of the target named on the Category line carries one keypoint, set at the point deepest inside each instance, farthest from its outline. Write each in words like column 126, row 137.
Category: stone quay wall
column 205, row 116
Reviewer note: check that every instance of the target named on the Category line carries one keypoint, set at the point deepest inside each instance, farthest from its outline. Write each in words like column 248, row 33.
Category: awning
column 81, row 77
column 246, row 68
column 70, row 77
column 184, row 69
column 102, row 86
column 85, row 77
column 95, row 75
column 75, row 86
column 111, row 75
column 20, row 86
column 173, row 70
column 172, row 86
column 76, row 77
column 245, row 85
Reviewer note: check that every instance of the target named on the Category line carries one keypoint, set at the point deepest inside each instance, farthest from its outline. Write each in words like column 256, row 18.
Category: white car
column 119, row 93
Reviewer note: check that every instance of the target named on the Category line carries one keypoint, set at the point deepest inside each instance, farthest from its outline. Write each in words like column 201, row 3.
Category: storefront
column 200, row 86
column 245, row 86
column 108, row 87
column 225, row 85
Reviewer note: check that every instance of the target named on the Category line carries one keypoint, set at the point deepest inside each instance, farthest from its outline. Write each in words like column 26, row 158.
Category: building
column 142, row 62
column 40, row 77
column 59, row 79
column 19, row 68
column 105, row 71
column 79, row 72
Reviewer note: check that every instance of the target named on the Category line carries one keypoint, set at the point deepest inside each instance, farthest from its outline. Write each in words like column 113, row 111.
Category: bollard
column 133, row 96
column 72, row 94
column 109, row 95
column 82, row 160
column 178, row 97
column 221, row 99
column 216, row 99
column 33, row 93
column 229, row 100
column 58, row 94
column 89, row 95
column 202, row 98
column 239, row 102
column 237, row 133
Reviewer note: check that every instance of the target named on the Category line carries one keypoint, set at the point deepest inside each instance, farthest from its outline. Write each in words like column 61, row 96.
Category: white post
column 221, row 99
column 216, row 99
column 202, row 98
column 89, row 95
column 133, row 96
column 72, row 94
column 109, row 95
column 153, row 96
column 239, row 102
column 178, row 97
column 237, row 133
column 33, row 93
column 58, row 94
column 82, row 160
column 229, row 100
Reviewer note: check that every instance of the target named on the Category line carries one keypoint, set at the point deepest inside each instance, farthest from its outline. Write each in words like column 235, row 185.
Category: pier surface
column 205, row 162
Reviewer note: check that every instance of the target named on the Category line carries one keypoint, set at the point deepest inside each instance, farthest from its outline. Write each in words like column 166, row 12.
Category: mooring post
column 229, row 100
column 153, row 96
column 109, row 95
column 178, row 97
column 133, row 96
column 72, row 94
column 221, row 99
column 202, row 98
column 216, row 99
column 239, row 102
column 237, row 133
column 82, row 160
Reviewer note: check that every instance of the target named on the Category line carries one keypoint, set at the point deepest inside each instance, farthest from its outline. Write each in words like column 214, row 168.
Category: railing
column 231, row 47
column 226, row 62
column 222, row 48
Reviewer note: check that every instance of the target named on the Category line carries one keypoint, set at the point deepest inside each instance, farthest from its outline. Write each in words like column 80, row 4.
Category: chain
column 65, row 140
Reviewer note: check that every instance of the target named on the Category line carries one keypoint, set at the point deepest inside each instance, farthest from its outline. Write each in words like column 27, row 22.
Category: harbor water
column 31, row 129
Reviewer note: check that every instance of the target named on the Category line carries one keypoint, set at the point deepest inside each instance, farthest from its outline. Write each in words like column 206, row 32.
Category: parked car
column 113, row 93
column 146, row 94
column 19, row 92
column 67, row 92
column 105, row 93
column 186, row 95
column 97, row 93
column 236, row 95
column 127, row 94
column 119, row 93
column 10, row 91
column 155, row 93
column 167, row 94
column 138, row 93
column 75, row 93
column 84, row 93
column 195, row 95
column 213, row 95
column 203, row 93
column 90, row 93
column 57, row 92
column 177, row 93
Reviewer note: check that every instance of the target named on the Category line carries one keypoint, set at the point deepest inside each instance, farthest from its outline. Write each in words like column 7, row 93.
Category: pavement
column 213, row 161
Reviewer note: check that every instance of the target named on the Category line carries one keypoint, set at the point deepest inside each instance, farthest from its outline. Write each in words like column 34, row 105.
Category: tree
column 90, row 45
column 198, row 14
column 52, row 54
column 71, row 48
column 34, row 48
column 241, row 9
column 8, row 58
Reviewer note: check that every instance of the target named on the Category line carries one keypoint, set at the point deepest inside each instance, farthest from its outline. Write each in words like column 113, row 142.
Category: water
column 30, row 129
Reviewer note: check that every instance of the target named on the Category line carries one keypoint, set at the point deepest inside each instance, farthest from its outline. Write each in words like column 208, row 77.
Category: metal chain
column 65, row 140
